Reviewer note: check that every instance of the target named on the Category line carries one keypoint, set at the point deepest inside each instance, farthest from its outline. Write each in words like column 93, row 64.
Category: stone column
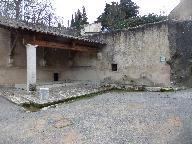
column 31, row 67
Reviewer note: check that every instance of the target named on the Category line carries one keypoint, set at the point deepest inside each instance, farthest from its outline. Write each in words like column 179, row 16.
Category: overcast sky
column 94, row 8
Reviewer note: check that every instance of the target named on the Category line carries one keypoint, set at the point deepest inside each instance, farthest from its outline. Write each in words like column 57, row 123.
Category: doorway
column 56, row 77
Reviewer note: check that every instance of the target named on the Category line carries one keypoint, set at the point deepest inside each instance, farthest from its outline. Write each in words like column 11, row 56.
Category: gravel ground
column 111, row 118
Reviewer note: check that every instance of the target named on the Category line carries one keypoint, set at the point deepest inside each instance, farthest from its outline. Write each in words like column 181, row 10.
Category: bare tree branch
column 30, row 11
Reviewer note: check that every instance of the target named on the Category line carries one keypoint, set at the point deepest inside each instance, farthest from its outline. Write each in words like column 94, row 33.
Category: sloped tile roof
column 63, row 32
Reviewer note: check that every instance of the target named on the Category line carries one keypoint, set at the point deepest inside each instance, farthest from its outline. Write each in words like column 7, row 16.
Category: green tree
column 80, row 19
column 110, row 16
column 116, row 13
column 128, row 9
column 124, row 15
column 72, row 22
column 141, row 20
column 84, row 16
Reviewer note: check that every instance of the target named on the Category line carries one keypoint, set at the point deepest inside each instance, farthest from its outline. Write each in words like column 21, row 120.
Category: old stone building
column 31, row 54
column 158, row 54
column 183, row 11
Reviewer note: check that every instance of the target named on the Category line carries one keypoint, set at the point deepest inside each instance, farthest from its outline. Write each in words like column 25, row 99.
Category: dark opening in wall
column 56, row 76
column 114, row 67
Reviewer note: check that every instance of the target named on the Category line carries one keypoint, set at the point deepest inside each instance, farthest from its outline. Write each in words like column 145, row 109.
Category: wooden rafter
column 73, row 46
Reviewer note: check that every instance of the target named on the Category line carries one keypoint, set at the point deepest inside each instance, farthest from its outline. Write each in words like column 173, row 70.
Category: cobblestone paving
column 111, row 118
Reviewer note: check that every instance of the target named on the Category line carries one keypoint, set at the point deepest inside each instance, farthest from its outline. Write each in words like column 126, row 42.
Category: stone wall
column 180, row 37
column 140, row 54
column 182, row 11
column 10, row 75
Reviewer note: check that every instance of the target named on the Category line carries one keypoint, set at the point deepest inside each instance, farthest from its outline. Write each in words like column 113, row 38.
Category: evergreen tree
column 140, row 20
column 116, row 13
column 72, row 22
column 80, row 19
column 128, row 9
column 84, row 16
column 123, row 15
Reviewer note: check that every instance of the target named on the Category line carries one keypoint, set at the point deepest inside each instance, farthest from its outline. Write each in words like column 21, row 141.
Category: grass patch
column 129, row 89
column 166, row 90
column 34, row 107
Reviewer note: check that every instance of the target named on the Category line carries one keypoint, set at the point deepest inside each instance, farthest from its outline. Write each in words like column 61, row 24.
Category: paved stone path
column 111, row 118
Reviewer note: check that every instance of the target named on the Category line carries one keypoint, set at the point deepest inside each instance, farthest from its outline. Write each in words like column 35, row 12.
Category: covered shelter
column 38, row 40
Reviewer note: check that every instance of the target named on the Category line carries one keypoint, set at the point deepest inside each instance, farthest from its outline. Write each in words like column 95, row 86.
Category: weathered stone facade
column 137, row 53
column 156, row 54
column 182, row 11
column 180, row 38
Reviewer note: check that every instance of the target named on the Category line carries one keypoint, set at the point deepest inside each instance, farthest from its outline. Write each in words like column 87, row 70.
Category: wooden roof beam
column 73, row 47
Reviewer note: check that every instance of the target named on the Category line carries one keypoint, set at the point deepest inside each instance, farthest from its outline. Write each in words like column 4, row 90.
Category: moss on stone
column 166, row 90
column 33, row 107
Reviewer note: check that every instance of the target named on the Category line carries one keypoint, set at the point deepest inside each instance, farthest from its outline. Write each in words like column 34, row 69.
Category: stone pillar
column 31, row 67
